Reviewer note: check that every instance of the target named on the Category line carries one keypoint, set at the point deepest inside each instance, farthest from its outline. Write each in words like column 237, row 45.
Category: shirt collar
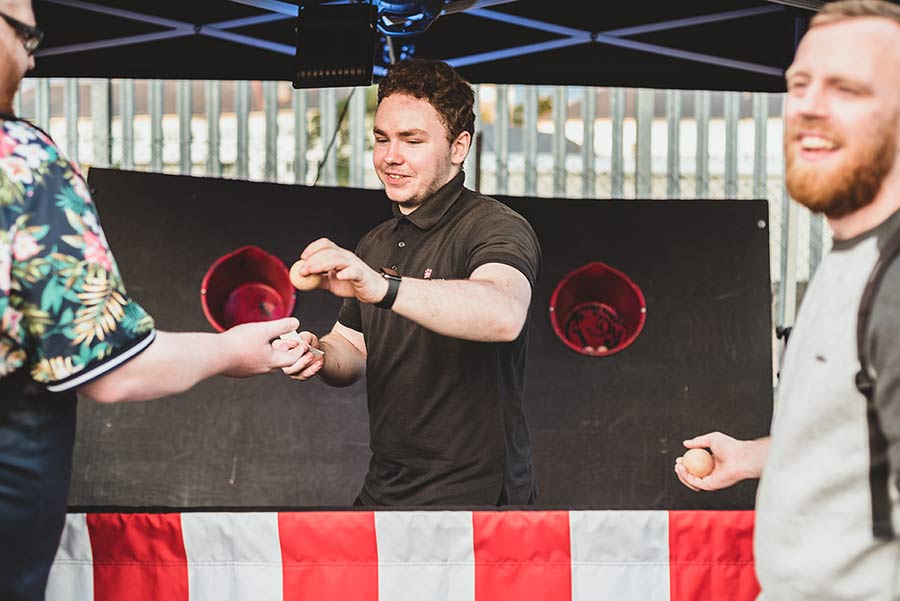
column 433, row 208
column 882, row 232
column 10, row 117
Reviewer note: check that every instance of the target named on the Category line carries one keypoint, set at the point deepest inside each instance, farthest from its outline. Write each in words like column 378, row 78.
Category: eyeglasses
column 31, row 36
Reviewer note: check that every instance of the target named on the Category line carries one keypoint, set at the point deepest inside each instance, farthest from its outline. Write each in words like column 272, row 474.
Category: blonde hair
column 842, row 10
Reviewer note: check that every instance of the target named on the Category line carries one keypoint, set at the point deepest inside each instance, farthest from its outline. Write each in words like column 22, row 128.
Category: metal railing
column 545, row 141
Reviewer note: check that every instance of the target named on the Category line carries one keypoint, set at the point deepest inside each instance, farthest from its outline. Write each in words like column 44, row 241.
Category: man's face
column 412, row 155
column 842, row 114
column 14, row 60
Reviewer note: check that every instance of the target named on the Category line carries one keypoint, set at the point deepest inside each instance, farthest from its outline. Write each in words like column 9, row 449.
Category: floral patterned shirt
column 64, row 312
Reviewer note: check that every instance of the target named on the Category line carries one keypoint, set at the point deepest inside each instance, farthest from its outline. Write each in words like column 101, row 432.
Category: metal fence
column 545, row 141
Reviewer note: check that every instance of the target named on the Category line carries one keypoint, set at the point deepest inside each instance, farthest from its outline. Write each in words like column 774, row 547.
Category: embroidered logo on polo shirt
column 427, row 274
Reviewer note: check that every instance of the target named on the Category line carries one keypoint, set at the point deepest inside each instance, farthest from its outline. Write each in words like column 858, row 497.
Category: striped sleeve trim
column 83, row 377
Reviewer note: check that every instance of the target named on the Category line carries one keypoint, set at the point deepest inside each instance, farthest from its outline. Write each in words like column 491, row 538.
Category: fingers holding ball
column 698, row 462
column 304, row 282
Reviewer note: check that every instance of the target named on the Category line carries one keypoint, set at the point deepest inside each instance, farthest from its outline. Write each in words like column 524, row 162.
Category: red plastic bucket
column 597, row 310
column 244, row 286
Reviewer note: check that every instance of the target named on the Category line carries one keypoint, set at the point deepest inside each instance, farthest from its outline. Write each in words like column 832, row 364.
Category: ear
column 459, row 148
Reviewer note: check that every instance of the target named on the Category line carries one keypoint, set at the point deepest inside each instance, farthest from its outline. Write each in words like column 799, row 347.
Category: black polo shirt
column 445, row 415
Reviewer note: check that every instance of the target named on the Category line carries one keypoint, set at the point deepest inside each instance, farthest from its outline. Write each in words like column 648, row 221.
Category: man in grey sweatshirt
column 814, row 535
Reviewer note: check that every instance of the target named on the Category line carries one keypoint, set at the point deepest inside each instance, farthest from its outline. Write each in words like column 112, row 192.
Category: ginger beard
column 847, row 187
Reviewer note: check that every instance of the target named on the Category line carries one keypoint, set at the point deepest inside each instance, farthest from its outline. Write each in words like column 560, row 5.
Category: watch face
column 388, row 272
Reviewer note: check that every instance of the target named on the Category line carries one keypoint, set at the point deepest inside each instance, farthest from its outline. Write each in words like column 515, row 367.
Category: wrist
column 383, row 289
column 226, row 347
column 757, row 451
column 391, row 281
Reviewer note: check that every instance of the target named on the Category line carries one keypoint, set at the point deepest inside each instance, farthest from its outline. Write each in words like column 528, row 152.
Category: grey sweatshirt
column 813, row 537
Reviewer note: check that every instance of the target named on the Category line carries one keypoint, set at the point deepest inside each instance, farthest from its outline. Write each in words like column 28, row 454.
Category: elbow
column 103, row 396
column 510, row 327
column 509, row 315
column 510, row 335
column 105, row 391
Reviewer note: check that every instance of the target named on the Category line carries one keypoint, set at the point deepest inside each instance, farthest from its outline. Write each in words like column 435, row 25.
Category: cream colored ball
column 304, row 282
column 698, row 462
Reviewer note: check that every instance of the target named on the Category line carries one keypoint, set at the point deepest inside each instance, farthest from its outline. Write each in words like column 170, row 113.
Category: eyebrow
column 793, row 71
column 406, row 133
column 830, row 79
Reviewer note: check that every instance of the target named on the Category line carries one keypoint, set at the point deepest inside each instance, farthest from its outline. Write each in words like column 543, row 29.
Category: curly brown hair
column 438, row 84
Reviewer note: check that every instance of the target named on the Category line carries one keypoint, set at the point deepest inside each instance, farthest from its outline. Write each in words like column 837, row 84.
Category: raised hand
column 342, row 272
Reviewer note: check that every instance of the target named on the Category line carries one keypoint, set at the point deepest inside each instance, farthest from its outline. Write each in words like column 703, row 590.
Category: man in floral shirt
column 67, row 324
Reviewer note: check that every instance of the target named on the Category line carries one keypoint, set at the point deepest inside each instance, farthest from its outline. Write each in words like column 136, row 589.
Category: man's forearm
column 173, row 363
column 343, row 363
column 757, row 451
column 477, row 310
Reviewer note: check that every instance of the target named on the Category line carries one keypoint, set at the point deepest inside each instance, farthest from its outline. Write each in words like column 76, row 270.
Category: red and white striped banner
column 407, row 556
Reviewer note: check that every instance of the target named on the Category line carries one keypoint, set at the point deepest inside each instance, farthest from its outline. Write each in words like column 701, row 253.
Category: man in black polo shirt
column 436, row 310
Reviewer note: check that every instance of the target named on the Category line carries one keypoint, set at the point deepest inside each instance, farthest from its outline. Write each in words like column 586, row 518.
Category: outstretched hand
column 733, row 460
column 311, row 357
column 250, row 349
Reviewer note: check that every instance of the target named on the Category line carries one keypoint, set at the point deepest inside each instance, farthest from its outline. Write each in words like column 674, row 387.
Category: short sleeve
column 67, row 306
column 504, row 236
column 349, row 315
column 884, row 356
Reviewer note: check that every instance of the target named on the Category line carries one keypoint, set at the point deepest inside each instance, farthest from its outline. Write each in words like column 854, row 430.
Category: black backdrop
column 606, row 431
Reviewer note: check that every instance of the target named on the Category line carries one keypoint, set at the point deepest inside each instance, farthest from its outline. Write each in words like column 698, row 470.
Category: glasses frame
column 31, row 36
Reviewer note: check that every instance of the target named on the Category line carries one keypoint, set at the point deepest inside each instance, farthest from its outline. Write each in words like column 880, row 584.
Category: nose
column 393, row 154
column 811, row 103
column 30, row 62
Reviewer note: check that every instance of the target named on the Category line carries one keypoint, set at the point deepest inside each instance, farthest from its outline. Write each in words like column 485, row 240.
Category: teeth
column 816, row 143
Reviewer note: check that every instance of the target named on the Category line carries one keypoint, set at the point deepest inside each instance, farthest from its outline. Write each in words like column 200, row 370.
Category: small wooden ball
column 698, row 462
column 304, row 282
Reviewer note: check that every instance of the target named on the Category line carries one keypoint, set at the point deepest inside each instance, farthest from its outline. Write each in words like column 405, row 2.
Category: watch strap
column 391, row 295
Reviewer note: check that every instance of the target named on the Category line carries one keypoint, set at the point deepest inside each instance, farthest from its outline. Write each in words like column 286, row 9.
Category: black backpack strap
column 879, row 468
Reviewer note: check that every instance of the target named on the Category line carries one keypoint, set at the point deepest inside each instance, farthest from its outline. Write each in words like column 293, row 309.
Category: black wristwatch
column 393, row 280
